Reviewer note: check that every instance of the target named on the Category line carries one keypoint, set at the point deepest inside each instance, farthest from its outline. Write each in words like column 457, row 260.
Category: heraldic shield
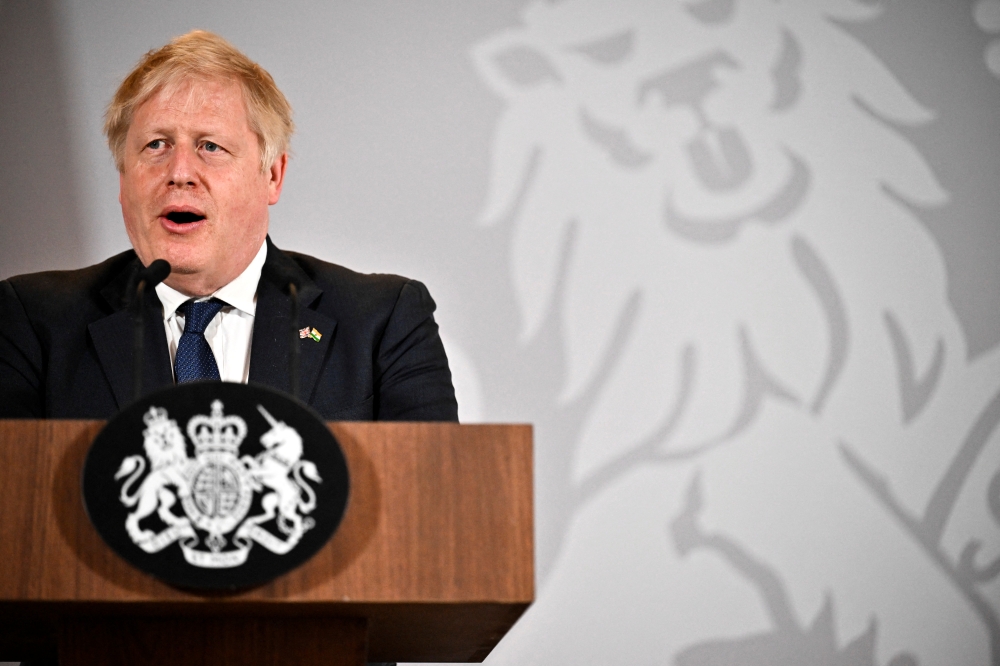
column 216, row 485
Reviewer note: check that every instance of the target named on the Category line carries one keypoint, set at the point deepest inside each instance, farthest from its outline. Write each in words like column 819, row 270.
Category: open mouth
column 721, row 159
column 183, row 217
column 782, row 201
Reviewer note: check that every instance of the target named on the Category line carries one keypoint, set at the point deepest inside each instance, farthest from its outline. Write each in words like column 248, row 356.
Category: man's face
column 192, row 190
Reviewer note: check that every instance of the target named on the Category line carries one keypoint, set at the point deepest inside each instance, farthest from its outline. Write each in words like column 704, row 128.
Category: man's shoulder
column 54, row 290
column 341, row 283
column 334, row 274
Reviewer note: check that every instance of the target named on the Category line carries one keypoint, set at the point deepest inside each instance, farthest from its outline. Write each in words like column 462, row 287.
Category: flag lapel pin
column 310, row 333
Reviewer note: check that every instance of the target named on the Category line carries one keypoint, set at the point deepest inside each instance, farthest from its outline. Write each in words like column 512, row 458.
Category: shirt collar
column 241, row 293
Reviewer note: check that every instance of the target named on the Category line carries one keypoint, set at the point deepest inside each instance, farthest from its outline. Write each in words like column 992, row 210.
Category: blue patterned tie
column 195, row 359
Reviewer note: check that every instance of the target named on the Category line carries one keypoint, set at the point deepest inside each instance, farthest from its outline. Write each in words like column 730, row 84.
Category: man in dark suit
column 200, row 137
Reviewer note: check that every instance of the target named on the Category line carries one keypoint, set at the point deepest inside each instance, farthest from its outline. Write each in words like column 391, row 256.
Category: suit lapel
column 269, row 350
column 113, row 339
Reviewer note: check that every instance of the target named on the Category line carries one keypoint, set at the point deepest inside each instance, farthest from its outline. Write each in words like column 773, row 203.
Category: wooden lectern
column 433, row 560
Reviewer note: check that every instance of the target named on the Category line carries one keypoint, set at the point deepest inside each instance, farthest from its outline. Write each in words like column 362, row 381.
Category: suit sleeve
column 414, row 382
column 21, row 371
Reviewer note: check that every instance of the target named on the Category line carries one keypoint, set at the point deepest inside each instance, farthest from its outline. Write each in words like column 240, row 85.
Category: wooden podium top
column 435, row 549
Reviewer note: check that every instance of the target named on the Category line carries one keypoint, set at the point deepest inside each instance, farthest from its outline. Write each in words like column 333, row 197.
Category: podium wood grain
column 435, row 551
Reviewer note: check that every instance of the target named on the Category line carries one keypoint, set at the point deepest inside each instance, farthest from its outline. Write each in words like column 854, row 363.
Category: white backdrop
column 736, row 259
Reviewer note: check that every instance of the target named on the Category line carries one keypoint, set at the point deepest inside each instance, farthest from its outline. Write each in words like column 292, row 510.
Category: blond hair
column 201, row 54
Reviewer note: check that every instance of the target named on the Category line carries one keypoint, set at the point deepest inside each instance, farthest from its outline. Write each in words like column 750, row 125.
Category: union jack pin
column 310, row 333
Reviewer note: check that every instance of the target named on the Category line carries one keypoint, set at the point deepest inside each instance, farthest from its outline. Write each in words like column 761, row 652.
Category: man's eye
column 155, row 144
column 212, row 147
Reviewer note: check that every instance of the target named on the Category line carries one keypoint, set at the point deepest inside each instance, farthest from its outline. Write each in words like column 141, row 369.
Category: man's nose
column 183, row 170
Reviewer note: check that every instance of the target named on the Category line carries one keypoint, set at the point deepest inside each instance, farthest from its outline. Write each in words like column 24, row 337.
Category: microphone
column 293, row 359
column 155, row 273
column 149, row 277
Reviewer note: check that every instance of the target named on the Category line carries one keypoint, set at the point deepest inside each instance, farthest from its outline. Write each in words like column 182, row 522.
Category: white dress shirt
column 230, row 332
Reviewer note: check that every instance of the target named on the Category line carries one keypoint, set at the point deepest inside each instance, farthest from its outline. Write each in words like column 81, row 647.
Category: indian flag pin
column 310, row 333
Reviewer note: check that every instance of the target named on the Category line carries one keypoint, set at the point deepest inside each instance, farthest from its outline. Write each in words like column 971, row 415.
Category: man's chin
column 194, row 284
column 183, row 271
column 188, row 273
column 183, row 258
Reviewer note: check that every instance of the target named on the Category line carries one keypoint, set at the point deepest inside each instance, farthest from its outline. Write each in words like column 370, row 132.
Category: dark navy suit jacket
column 66, row 342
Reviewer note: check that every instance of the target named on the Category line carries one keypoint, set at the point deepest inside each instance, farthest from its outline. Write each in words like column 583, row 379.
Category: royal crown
column 155, row 418
column 216, row 433
column 157, row 421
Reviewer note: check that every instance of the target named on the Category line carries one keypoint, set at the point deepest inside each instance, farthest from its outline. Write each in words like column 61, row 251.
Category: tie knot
column 197, row 315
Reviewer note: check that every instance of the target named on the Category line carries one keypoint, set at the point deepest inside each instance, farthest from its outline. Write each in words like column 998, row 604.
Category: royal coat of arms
column 217, row 504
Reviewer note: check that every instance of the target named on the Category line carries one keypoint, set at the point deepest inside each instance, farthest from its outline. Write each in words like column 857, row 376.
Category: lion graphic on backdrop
column 717, row 198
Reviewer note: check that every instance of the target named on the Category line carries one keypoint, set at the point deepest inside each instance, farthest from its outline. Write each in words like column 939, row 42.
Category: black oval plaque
column 215, row 485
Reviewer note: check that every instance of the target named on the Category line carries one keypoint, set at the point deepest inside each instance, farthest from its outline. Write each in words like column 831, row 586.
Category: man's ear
column 276, row 178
